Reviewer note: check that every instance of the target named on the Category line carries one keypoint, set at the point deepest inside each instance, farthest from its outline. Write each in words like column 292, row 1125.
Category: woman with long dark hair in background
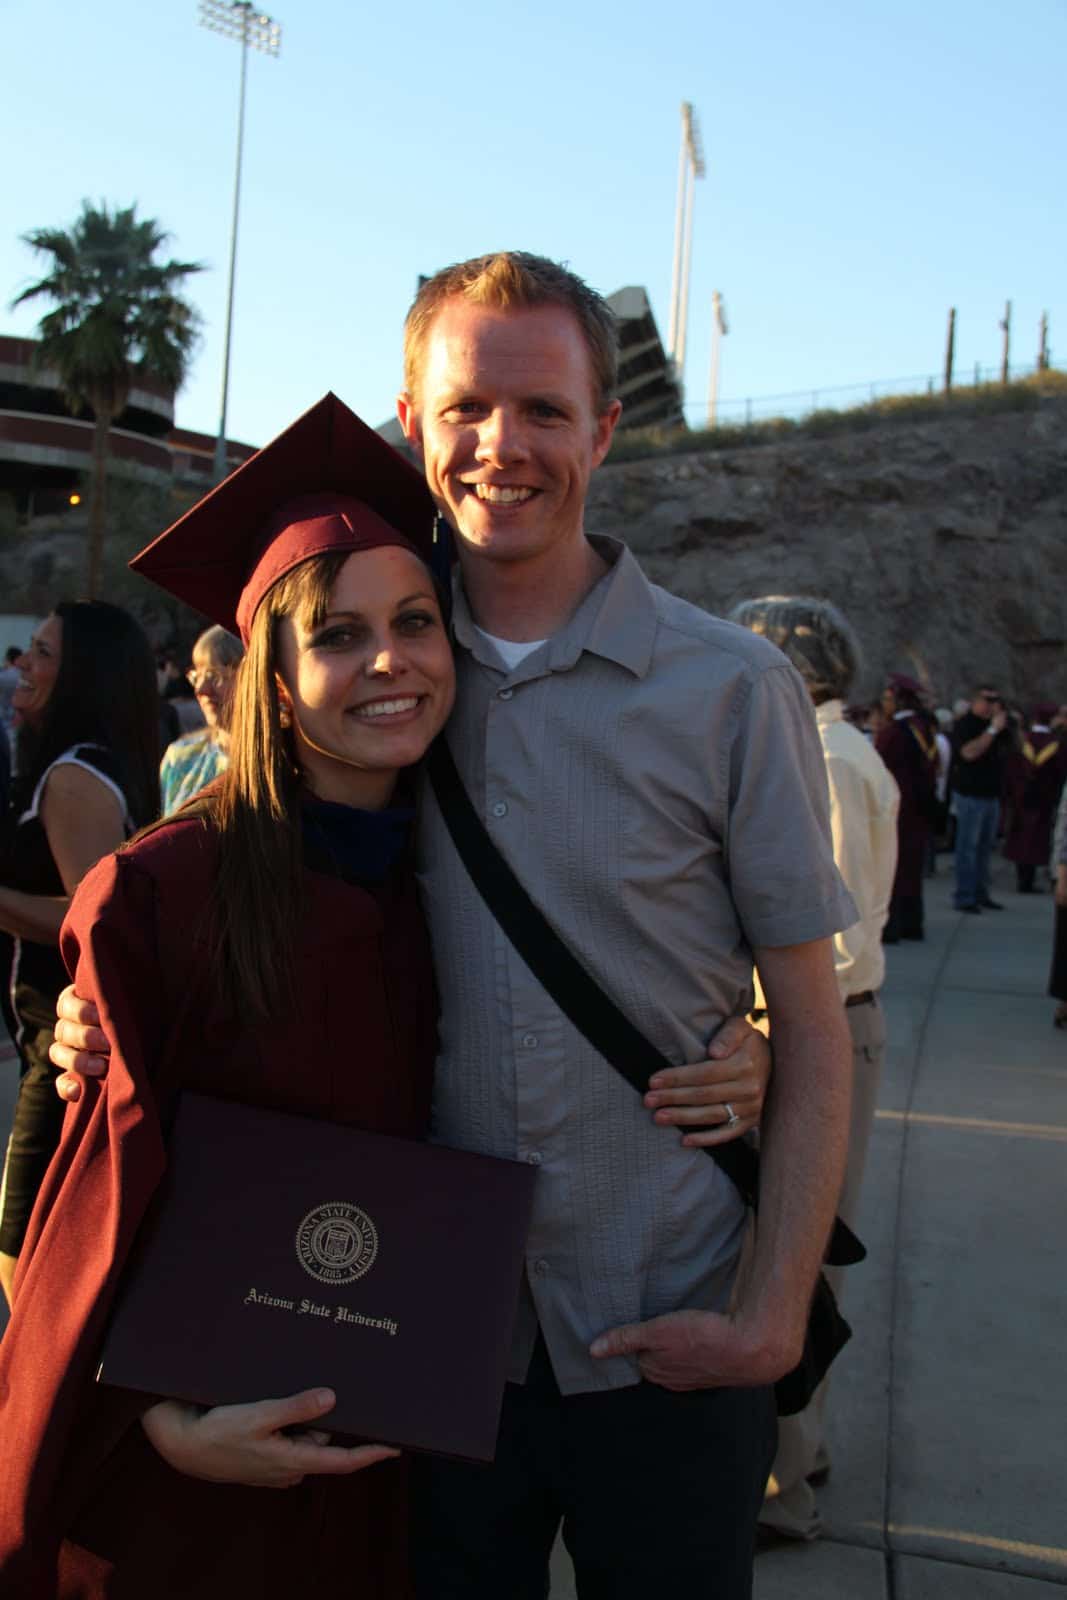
column 87, row 777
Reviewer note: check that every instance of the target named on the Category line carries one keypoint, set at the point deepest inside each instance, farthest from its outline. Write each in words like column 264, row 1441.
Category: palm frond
column 115, row 305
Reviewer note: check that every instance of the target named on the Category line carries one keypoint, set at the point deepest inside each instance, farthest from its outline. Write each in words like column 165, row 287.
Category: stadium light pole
column 719, row 327
column 690, row 167
column 237, row 19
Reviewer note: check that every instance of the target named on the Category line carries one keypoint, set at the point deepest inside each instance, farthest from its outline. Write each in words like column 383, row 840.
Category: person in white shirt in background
column 944, row 719
column 944, row 751
column 863, row 818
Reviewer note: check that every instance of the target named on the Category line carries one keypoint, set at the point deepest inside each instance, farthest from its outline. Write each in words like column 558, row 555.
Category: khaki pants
column 789, row 1507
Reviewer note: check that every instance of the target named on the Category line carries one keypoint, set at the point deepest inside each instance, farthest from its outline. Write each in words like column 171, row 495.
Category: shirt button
column 505, row 694
column 529, row 1041
column 540, row 1267
column 500, row 809
column 534, row 1158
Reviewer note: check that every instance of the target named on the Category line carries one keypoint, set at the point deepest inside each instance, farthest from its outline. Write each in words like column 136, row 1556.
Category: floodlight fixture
column 240, row 20
column 691, row 135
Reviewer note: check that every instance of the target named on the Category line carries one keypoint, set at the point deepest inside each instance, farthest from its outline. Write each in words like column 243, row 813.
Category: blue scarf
column 358, row 846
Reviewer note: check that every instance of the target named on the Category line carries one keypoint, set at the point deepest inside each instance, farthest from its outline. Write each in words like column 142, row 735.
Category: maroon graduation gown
column 909, row 750
column 87, row 1508
column 1032, row 782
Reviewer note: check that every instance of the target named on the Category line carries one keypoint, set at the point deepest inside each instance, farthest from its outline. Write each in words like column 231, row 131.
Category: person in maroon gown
column 1033, row 780
column 909, row 749
column 225, row 950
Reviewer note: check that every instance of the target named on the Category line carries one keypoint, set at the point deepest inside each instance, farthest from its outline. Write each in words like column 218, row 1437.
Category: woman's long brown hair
column 257, row 901
column 105, row 694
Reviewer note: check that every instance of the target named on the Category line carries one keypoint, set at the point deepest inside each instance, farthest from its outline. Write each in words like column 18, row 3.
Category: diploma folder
column 288, row 1254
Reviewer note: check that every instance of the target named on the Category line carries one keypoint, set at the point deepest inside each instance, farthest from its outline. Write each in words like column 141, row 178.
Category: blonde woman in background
column 197, row 758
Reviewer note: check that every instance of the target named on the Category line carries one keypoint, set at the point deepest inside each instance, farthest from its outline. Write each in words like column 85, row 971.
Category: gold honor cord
column 1037, row 758
column 928, row 747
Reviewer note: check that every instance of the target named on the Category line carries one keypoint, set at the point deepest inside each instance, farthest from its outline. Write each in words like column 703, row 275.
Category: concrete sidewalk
column 948, row 1415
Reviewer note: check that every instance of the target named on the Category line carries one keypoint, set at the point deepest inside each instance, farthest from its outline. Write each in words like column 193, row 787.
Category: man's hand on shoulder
column 79, row 1047
column 730, row 1084
column 701, row 1350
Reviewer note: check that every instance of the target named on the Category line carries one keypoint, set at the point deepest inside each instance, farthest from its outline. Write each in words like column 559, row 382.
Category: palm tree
column 116, row 313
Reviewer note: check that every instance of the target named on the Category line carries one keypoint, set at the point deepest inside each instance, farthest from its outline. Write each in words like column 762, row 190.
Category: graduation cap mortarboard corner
column 328, row 482
column 901, row 683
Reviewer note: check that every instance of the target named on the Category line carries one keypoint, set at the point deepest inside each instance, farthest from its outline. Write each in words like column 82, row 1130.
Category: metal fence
column 844, row 397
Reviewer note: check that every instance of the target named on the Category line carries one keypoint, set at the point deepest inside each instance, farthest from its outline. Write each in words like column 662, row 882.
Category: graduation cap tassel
column 441, row 558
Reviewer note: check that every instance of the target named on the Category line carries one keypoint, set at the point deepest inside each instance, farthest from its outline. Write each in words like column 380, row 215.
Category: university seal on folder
column 337, row 1243
column 287, row 1253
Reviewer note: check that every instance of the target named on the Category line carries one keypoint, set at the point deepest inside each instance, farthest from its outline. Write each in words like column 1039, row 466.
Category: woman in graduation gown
column 1033, row 781
column 225, row 950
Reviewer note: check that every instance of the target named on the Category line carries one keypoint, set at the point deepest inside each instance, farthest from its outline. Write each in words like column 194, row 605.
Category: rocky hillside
column 944, row 542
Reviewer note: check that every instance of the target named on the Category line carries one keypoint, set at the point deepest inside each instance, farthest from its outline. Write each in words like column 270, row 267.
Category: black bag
column 582, row 1000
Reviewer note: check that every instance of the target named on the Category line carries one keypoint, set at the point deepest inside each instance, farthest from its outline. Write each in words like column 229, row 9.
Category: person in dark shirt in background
column 980, row 746
column 907, row 745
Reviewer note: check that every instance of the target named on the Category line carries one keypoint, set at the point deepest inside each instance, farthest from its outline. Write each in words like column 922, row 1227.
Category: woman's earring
column 285, row 716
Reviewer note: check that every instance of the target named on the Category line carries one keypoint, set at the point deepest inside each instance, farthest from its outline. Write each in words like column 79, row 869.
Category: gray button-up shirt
column 654, row 776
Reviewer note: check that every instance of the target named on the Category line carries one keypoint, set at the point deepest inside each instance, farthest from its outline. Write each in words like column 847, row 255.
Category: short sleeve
column 780, row 861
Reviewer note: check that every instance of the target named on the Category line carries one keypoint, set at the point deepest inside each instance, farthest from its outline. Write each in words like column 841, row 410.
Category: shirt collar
column 829, row 711
column 616, row 620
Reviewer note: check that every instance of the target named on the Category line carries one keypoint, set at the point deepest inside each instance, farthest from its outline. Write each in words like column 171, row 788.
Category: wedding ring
column 732, row 1119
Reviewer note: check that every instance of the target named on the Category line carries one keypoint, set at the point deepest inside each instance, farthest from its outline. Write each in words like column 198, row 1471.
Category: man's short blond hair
column 515, row 278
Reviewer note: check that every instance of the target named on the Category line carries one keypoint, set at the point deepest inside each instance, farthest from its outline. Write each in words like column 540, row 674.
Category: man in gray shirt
column 654, row 776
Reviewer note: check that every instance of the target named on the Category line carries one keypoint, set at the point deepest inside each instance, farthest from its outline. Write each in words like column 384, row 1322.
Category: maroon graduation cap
column 327, row 483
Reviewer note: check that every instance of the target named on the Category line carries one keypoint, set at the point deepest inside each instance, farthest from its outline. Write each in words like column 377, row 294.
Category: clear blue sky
column 869, row 165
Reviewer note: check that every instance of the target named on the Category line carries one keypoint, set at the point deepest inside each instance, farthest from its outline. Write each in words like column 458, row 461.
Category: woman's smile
column 388, row 711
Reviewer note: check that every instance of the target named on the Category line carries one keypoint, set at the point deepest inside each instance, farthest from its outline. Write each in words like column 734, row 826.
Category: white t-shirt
column 510, row 652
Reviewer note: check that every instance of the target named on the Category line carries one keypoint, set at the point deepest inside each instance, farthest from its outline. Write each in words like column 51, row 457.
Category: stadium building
column 46, row 452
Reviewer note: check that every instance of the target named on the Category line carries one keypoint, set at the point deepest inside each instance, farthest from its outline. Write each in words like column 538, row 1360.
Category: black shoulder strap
column 577, row 994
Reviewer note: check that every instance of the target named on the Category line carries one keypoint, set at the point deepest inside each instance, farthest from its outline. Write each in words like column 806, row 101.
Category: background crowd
column 986, row 772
